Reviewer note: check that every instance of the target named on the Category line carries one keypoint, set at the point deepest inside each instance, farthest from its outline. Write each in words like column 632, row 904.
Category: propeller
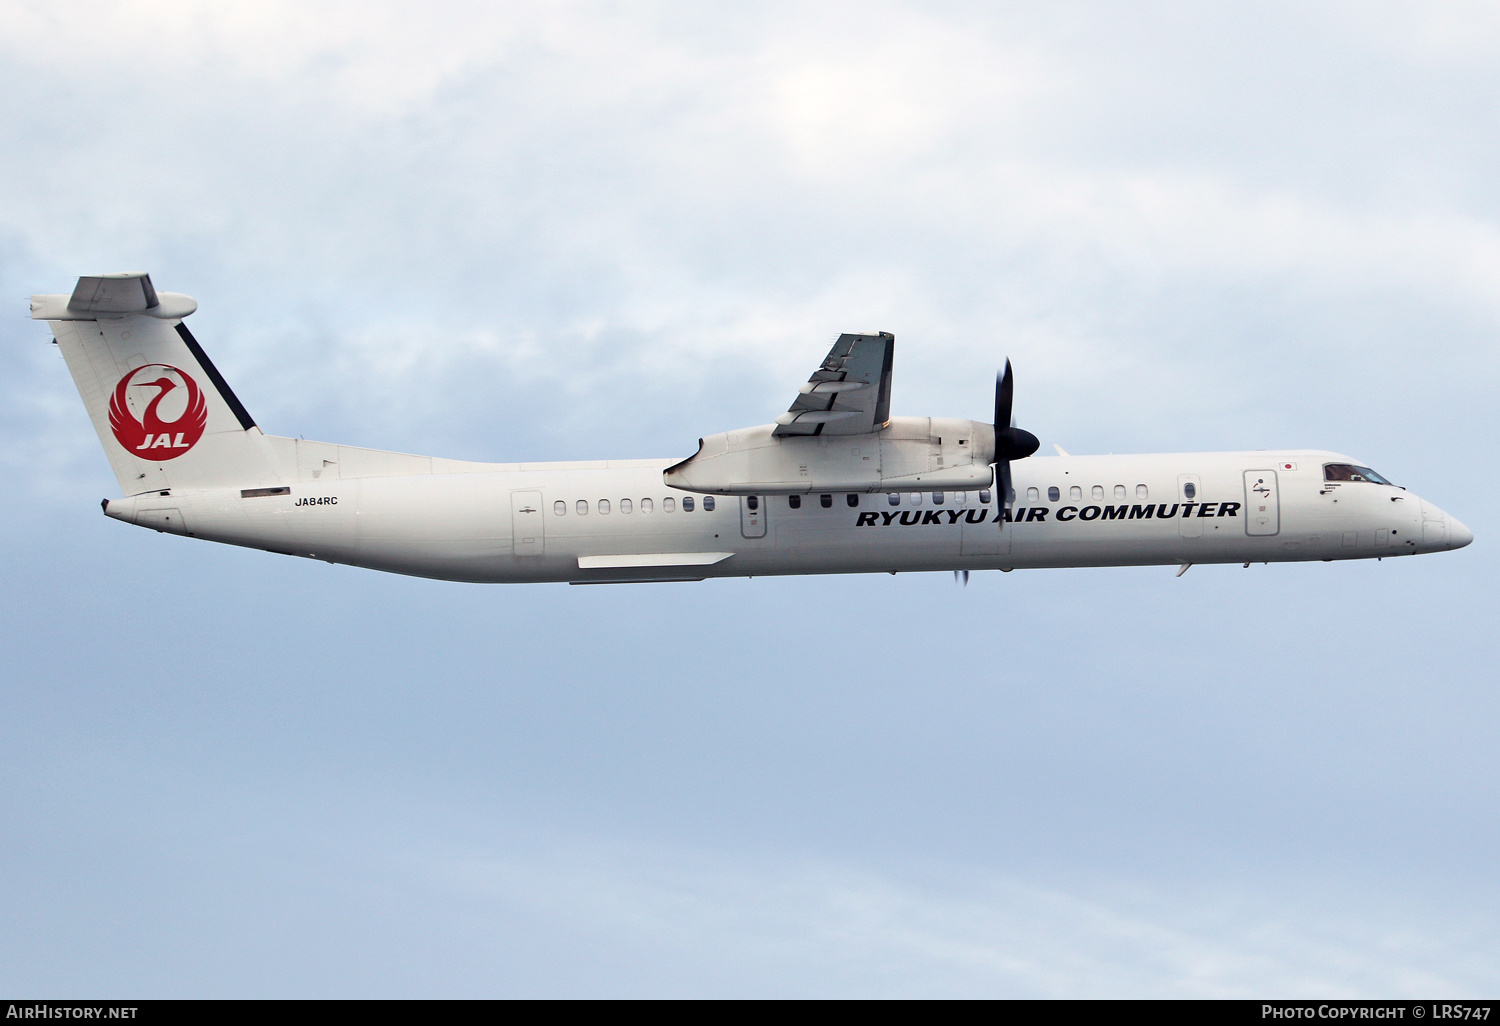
column 1011, row 442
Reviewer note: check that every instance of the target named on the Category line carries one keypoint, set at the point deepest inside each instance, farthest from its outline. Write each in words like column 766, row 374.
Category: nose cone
column 1442, row 531
column 1458, row 534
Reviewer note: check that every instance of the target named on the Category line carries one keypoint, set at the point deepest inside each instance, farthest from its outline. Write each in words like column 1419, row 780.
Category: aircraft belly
column 325, row 530
column 454, row 526
column 832, row 541
column 427, row 526
column 1130, row 546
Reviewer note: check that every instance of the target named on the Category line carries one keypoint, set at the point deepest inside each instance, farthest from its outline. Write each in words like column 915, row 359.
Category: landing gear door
column 526, row 523
column 753, row 516
column 1262, row 504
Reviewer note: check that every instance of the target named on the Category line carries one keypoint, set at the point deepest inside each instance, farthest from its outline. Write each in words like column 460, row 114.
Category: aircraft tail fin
column 164, row 413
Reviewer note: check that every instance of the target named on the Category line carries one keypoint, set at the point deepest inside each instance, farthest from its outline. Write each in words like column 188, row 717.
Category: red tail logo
column 149, row 436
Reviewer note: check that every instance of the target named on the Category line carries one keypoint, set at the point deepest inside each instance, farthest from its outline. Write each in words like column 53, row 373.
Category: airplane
column 835, row 485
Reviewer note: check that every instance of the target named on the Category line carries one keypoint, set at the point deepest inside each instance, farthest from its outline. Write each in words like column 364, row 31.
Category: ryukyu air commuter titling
column 835, row 485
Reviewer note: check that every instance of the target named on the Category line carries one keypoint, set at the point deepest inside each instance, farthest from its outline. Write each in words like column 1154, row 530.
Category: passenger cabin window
column 645, row 505
column 583, row 507
column 1053, row 494
column 1075, row 493
column 826, row 501
column 625, row 506
column 708, row 504
column 559, row 507
column 1010, row 496
column 916, row 498
column 984, row 496
column 753, row 501
column 1032, row 495
column 1349, row 472
column 1189, row 490
column 1119, row 491
column 960, row 498
column 604, row 507
column 937, row 498
column 894, row 498
column 851, row 500
column 1098, row 492
column 687, row 503
column 794, row 501
column 1142, row 492
column 669, row 505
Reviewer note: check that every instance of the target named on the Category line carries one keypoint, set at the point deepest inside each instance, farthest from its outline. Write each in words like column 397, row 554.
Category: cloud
column 423, row 218
column 728, row 925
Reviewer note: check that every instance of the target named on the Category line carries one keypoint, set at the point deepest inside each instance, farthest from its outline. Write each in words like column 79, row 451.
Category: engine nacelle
column 909, row 453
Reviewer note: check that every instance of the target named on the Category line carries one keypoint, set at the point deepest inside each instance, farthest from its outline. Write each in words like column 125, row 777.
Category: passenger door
column 526, row 523
column 1262, row 504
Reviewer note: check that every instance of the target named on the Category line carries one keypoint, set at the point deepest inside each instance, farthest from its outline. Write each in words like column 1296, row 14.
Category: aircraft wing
column 849, row 394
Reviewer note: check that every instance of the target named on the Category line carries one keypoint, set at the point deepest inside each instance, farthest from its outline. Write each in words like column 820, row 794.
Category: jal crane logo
column 149, row 436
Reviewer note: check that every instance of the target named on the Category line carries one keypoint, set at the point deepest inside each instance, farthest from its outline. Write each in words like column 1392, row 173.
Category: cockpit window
column 1349, row 472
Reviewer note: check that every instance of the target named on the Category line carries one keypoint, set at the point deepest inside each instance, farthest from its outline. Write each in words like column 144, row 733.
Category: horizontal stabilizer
column 112, row 295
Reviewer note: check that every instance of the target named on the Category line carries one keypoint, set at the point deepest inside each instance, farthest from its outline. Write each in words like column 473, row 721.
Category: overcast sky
column 572, row 231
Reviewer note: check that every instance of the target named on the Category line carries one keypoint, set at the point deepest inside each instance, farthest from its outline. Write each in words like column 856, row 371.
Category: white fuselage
column 548, row 522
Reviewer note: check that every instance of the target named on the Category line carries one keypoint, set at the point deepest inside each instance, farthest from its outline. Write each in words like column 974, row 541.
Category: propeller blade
column 1005, row 390
column 1011, row 442
column 1002, row 482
